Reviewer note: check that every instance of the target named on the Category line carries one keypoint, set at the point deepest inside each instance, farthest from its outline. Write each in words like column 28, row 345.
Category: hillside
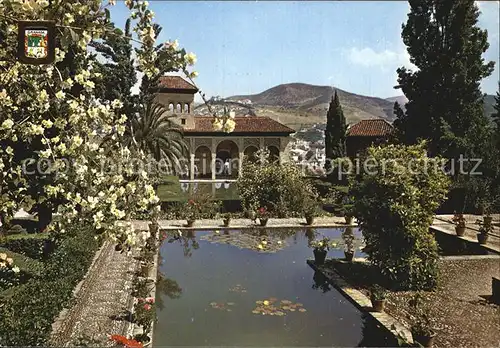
column 300, row 105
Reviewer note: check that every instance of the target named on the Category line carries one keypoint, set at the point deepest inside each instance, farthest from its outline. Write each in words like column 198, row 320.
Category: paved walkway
column 247, row 223
column 100, row 303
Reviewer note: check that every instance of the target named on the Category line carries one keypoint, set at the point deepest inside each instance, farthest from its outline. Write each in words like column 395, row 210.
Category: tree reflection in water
column 320, row 282
column 168, row 287
column 188, row 242
column 310, row 235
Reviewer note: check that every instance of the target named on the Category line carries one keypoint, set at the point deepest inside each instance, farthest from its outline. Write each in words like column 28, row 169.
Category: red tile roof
column 176, row 82
column 370, row 128
column 244, row 124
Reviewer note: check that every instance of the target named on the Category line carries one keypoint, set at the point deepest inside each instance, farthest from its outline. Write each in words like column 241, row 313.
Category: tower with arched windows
column 213, row 153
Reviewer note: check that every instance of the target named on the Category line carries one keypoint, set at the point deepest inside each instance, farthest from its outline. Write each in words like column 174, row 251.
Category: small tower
column 177, row 95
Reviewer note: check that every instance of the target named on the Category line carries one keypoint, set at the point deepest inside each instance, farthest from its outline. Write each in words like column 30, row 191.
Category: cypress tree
column 339, row 129
column 329, row 136
column 445, row 101
column 335, row 133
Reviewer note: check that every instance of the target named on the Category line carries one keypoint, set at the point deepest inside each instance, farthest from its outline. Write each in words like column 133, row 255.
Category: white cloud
column 385, row 59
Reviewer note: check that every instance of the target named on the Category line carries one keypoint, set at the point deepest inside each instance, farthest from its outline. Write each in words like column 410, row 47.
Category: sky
column 246, row 47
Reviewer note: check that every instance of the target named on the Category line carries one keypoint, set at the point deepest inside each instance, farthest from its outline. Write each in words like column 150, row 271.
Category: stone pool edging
column 320, row 222
column 363, row 304
column 133, row 329
column 489, row 248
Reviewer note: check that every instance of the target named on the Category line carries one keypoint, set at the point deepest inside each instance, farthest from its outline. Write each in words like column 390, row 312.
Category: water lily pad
column 213, row 303
column 292, row 309
column 229, row 310
column 230, row 303
column 259, row 302
column 280, row 313
column 255, row 311
column 302, row 310
column 286, row 301
column 298, row 304
column 285, row 307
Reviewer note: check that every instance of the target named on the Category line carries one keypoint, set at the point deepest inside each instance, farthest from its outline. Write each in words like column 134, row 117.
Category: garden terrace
column 461, row 307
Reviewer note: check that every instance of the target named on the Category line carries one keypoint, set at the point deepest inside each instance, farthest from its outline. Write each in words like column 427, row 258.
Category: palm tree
column 156, row 134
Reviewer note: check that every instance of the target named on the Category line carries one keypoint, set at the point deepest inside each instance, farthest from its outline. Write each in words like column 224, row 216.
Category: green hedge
column 30, row 245
column 28, row 311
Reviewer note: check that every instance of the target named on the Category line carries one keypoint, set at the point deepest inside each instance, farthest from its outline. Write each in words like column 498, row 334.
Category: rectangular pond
column 251, row 288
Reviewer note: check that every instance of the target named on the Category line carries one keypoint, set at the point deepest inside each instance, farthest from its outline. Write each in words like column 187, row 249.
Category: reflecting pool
column 251, row 288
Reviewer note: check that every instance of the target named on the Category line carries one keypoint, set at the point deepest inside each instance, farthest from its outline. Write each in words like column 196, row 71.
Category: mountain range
column 300, row 105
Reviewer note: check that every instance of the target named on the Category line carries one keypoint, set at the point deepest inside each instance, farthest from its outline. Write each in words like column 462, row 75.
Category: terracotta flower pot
column 319, row 256
column 425, row 340
column 460, row 230
column 348, row 219
column 309, row 220
column 482, row 238
column 263, row 221
column 378, row 305
column 227, row 221
column 190, row 223
column 348, row 256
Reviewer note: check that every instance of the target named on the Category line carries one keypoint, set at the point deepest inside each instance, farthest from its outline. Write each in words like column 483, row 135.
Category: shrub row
column 34, row 246
column 28, row 311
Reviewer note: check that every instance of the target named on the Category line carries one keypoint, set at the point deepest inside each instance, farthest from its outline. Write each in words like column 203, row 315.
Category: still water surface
column 222, row 279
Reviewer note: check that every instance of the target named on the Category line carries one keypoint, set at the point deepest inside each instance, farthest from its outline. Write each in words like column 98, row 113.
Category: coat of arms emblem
column 36, row 42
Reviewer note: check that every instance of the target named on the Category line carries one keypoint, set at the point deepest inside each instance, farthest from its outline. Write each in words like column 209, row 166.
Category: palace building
column 215, row 154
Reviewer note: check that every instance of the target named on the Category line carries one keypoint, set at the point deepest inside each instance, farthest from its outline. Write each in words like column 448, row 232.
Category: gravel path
column 460, row 307
column 103, row 298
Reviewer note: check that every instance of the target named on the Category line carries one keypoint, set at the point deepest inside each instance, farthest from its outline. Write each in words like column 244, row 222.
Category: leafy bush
column 395, row 208
column 280, row 189
column 28, row 311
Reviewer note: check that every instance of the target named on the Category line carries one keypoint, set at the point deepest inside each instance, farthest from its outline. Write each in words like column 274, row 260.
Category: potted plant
column 459, row 221
column 226, row 218
column 348, row 239
column 320, row 250
column 192, row 212
column 484, row 229
column 348, row 213
column 310, row 209
column 421, row 330
column 146, row 266
column 378, row 298
column 263, row 215
column 487, row 218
